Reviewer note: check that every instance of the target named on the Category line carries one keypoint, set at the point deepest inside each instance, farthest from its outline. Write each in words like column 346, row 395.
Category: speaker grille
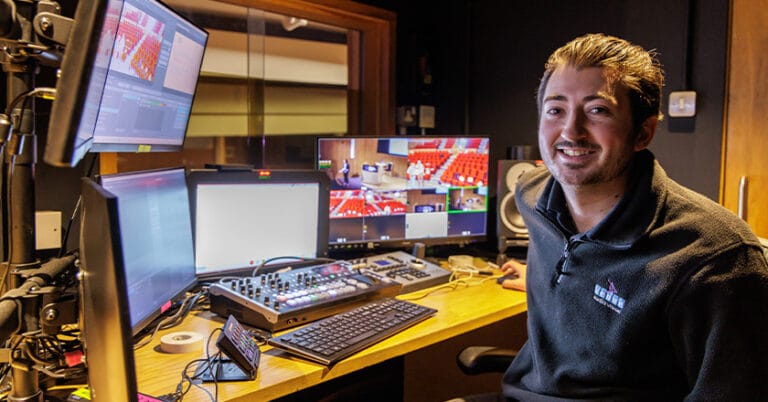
column 511, row 228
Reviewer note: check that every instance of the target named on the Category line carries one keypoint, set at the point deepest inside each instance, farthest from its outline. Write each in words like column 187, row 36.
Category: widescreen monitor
column 127, row 80
column 401, row 190
column 257, row 219
column 155, row 240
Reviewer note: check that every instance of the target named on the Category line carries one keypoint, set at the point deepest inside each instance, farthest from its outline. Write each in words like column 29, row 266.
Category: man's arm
column 513, row 267
column 719, row 324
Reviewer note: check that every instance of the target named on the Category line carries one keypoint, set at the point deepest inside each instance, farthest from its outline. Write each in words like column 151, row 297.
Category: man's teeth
column 575, row 152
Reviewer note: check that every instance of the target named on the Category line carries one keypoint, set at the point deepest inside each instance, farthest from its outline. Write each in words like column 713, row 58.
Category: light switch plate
column 682, row 104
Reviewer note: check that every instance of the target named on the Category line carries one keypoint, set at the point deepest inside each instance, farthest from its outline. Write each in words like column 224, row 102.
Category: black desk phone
column 241, row 351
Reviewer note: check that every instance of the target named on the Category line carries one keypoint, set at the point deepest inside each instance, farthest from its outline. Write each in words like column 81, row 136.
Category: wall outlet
column 47, row 230
column 682, row 104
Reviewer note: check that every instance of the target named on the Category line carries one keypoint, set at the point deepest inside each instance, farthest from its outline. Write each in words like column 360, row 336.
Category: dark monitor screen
column 128, row 79
column 400, row 190
column 245, row 219
column 156, row 239
column 105, row 321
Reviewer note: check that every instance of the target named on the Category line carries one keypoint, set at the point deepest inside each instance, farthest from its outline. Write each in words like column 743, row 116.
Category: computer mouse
column 511, row 275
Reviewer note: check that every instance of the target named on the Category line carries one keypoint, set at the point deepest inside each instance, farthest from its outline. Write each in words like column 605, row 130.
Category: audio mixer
column 279, row 300
column 413, row 273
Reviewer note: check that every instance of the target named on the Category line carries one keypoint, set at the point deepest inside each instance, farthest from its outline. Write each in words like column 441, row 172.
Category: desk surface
column 460, row 310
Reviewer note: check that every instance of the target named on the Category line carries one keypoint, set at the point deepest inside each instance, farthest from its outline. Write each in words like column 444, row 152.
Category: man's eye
column 554, row 111
column 599, row 109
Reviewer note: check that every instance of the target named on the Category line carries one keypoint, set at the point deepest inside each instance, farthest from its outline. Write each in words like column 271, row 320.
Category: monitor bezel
column 104, row 317
column 261, row 176
column 366, row 246
column 76, row 72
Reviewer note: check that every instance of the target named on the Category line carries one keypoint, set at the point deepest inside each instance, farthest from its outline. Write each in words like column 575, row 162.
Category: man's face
column 585, row 127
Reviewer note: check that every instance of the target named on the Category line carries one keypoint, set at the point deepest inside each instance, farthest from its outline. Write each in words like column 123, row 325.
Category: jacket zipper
column 560, row 267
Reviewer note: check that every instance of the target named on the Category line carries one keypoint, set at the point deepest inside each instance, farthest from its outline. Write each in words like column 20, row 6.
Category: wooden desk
column 460, row 310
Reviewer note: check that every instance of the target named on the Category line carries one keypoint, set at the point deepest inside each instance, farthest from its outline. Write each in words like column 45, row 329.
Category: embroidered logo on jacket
column 609, row 297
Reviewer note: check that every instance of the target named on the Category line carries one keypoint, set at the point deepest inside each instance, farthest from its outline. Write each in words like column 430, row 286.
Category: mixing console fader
column 413, row 273
column 282, row 300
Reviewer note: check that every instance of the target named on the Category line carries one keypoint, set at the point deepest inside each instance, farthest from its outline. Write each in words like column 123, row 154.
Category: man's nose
column 574, row 128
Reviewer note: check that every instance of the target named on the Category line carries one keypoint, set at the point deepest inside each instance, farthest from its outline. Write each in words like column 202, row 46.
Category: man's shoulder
column 533, row 177
column 532, row 183
column 711, row 220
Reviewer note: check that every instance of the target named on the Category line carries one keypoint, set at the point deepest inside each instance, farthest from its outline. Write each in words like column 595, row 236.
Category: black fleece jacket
column 665, row 299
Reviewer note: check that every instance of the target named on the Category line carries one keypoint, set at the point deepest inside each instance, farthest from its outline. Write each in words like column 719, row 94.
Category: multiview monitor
column 395, row 191
column 257, row 219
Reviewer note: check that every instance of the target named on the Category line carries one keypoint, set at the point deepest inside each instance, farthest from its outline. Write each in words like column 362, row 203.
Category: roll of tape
column 181, row 342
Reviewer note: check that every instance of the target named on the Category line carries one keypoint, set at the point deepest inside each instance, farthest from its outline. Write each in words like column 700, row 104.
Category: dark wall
column 486, row 57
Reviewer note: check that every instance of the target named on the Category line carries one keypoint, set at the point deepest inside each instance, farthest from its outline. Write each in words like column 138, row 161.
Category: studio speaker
column 510, row 228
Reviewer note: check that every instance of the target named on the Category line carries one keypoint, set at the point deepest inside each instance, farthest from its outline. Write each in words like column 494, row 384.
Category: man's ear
column 647, row 131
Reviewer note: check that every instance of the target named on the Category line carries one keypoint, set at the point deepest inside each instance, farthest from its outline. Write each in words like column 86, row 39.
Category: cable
column 75, row 212
column 9, row 179
column 453, row 283
column 206, row 365
column 268, row 260
column 172, row 320
column 44, row 92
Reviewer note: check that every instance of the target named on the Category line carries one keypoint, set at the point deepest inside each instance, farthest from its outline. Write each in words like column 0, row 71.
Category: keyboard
column 334, row 338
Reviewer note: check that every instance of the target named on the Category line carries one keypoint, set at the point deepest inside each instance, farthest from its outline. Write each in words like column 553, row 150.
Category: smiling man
column 638, row 288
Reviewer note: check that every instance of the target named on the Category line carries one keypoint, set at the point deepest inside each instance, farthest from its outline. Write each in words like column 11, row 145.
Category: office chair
column 474, row 360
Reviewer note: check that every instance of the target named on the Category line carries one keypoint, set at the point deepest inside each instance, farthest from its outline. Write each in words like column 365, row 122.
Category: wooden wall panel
column 746, row 131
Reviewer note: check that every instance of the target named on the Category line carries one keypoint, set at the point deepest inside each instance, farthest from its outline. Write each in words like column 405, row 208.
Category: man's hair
column 636, row 68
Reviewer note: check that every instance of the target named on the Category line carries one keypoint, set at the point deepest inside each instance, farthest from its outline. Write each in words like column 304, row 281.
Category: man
column 345, row 171
column 638, row 288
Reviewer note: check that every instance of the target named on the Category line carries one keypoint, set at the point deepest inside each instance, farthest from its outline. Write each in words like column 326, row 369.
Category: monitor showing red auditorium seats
column 395, row 191
column 127, row 81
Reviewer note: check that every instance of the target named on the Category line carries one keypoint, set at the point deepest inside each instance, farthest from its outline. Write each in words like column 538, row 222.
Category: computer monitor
column 402, row 190
column 249, row 219
column 104, row 318
column 127, row 80
column 155, row 240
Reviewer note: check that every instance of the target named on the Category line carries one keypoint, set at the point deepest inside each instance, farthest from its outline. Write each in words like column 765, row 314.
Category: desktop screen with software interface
column 155, row 238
